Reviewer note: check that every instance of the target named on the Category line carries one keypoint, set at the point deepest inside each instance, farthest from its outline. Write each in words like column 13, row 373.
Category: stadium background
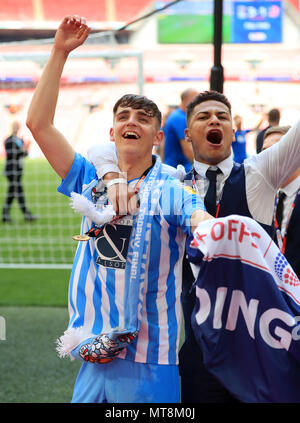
column 35, row 258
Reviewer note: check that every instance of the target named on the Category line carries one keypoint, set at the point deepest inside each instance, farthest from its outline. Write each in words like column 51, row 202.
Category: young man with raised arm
column 125, row 286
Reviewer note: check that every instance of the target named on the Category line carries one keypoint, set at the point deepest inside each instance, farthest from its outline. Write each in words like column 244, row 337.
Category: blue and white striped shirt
column 97, row 281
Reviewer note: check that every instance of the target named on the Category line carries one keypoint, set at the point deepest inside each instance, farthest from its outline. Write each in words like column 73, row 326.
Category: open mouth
column 214, row 136
column 130, row 135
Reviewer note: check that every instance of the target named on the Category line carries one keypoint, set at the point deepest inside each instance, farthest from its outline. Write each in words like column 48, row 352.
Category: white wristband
column 116, row 181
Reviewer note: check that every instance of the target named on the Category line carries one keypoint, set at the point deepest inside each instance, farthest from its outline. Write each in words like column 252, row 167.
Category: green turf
column 42, row 287
column 30, row 369
column 33, row 304
column 49, row 239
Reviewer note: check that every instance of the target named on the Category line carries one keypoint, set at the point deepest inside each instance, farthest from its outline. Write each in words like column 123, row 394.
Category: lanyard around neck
column 282, row 240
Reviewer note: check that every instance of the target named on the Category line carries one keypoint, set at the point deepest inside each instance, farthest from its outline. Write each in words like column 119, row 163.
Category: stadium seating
column 54, row 10
column 16, row 10
column 127, row 11
column 94, row 10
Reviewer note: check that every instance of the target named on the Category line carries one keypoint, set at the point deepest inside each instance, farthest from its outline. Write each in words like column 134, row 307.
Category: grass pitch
column 47, row 240
column 31, row 371
column 33, row 304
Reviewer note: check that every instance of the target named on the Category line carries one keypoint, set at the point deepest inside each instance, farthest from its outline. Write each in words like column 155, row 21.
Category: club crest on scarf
column 103, row 349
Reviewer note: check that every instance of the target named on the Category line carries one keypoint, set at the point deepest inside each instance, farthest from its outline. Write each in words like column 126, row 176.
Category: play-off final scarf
column 247, row 313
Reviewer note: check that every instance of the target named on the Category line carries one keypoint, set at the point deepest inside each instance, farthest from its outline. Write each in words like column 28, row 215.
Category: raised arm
column 279, row 162
column 71, row 33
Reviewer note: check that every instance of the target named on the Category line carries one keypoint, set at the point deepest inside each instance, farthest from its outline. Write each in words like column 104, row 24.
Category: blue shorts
column 124, row 381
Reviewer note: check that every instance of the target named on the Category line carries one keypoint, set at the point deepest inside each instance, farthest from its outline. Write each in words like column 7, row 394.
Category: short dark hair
column 206, row 96
column 139, row 102
column 274, row 116
column 186, row 93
